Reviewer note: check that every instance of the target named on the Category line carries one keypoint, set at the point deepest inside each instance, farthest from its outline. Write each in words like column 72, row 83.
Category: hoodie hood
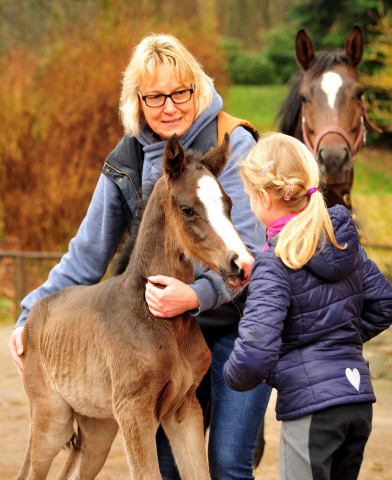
column 331, row 263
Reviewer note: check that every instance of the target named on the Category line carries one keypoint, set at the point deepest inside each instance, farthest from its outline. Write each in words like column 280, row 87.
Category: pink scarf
column 276, row 226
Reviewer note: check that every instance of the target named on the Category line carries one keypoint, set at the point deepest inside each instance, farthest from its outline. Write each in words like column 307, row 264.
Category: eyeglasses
column 181, row 96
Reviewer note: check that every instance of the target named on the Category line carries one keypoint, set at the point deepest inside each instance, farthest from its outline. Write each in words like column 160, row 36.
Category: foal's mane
column 289, row 112
column 125, row 250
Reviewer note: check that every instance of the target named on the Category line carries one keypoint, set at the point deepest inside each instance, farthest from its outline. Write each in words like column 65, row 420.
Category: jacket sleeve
column 209, row 287
column 256, row 350
column 91, row 250
column 376, row 314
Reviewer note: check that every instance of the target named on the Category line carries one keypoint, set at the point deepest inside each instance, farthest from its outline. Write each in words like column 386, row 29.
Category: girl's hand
column 15, row 346
column 176, row 298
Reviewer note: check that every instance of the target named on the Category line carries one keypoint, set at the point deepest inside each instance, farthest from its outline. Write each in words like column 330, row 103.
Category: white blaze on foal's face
column 330, row 84
column 211, row 196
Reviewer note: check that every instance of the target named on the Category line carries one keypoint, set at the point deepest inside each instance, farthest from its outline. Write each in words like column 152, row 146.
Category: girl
column 314, row 298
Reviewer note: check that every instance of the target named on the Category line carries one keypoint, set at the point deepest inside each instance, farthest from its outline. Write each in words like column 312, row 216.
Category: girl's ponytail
column 285, row 167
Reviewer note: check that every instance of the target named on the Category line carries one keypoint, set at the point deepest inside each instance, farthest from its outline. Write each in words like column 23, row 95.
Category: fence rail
column 21, row 258
column 20, row 271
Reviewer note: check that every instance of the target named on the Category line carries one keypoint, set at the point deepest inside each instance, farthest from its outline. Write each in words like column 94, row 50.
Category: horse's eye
column 359, row 95
column 188, row 212
column 304, row 98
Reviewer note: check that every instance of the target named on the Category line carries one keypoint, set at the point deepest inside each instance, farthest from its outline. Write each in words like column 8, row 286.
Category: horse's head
column 200, row 210
column 332, row 106
column 325, row 110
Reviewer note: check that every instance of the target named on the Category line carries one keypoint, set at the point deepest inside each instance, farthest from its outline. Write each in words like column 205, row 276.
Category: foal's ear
column 216, row 159
column 304, row 49
column 354, row 45
column 174, row 158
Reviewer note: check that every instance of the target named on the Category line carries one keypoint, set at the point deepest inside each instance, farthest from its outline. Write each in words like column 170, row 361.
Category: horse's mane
column 125, row 250
column 290, row 109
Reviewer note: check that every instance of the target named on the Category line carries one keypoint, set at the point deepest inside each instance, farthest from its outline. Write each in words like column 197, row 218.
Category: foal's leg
column 136, row 418
column 95, row 438
column 51, row 418
column 51, row 428
column 185, row 432
column 26, row 464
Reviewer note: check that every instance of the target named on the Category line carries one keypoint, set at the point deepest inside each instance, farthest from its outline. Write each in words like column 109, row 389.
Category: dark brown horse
column 96, row 355
column 325, row 110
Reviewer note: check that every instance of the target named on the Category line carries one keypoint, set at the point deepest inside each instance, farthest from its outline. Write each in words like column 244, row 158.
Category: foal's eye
column 188, row 212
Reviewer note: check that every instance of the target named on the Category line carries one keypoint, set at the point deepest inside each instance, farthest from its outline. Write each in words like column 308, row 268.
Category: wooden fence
column 21, row 258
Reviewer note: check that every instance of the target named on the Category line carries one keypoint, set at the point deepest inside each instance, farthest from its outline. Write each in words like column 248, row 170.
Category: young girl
column 314, row 298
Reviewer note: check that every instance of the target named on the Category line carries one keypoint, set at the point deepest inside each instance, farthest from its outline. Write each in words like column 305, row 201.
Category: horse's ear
column 174, row 158
column 216, row 159
column 354, row 45
column 304, row 49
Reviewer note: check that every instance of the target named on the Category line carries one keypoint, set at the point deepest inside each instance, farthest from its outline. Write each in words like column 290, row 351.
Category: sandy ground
column 14, row 425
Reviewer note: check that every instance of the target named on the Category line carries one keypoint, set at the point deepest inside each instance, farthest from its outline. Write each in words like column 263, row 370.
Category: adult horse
column 325, row 110
column 95, row 354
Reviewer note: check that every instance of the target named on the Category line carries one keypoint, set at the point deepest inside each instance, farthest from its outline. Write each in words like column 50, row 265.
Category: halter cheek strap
column 360, row 140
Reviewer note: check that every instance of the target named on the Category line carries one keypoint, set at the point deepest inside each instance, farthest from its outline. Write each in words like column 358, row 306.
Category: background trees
column 60, row 79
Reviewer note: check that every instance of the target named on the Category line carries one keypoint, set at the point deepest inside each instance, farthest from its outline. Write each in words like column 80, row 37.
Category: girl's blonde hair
column 155, row 50
column 293, row 170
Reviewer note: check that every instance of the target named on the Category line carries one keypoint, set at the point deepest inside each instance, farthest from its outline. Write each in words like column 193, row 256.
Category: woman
column 166, row 91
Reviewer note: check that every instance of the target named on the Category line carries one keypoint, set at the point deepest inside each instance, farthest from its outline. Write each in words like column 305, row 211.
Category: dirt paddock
column 14, row 426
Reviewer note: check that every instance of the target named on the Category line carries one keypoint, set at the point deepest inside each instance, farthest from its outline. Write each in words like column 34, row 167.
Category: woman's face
column 171, row 117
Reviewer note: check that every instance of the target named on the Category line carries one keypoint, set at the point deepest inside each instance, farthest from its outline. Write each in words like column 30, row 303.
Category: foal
column 96, row 355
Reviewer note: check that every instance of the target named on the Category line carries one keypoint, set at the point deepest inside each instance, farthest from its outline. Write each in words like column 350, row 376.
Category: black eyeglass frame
column 166, row 96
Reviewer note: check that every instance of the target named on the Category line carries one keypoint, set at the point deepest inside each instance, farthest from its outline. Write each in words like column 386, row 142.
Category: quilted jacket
column 303, row 330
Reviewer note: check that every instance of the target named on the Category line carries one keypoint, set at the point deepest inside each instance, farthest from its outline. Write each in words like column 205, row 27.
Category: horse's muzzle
column 239, row 271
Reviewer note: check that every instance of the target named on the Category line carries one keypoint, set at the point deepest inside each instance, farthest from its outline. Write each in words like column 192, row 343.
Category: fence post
column 20, row 282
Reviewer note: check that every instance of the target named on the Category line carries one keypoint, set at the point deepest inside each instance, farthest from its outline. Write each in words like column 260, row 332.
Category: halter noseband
column 361, row 138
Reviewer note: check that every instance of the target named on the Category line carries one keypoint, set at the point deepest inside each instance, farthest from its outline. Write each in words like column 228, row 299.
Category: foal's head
column 200, row 210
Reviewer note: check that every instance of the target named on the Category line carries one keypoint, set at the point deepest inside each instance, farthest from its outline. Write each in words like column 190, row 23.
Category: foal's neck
column 158, row 248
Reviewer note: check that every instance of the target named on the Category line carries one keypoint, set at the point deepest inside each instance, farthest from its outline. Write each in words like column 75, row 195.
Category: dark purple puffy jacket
column 303, row 330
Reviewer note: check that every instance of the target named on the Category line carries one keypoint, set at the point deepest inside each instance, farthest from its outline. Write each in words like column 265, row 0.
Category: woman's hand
column 15, row 346
column 176, row 298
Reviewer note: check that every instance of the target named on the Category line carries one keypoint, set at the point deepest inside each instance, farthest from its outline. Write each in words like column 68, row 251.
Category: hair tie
column 289, row 192
column 311, row 190
column 265, row 169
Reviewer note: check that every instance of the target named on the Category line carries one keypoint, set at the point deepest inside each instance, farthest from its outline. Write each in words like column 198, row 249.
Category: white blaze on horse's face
column 330, row 84
column 210, row 195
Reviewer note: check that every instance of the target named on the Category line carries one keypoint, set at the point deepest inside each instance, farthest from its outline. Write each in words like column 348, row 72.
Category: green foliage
column 379, row 79
column 329, row 23
column 251, row 68
column 247, row 68
column 275, row 63
column 279, row 50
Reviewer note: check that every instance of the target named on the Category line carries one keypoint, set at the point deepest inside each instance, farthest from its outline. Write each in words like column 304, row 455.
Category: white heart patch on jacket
column 353, row 377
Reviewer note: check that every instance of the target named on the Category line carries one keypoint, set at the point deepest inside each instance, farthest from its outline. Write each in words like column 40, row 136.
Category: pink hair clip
column 265, row 169
column 289, row 192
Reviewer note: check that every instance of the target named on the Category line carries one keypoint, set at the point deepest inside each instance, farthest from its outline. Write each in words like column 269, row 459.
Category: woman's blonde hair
column 293, row 170
column 155, row 50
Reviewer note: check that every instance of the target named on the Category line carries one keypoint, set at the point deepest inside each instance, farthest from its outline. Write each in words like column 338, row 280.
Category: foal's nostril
column 234, row 265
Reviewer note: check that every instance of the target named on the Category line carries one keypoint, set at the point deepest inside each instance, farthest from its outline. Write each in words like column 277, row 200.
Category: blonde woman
column 314, row 298
column 166, row 91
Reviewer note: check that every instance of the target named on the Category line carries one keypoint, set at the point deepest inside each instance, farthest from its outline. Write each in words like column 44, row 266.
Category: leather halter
column 360, row 140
